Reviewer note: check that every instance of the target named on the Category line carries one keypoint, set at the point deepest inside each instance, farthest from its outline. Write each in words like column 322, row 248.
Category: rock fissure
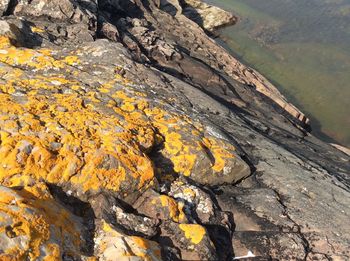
column 299, row 233
column 11, row 5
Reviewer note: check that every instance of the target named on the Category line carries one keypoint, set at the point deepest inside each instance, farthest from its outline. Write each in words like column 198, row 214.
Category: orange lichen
column 175, row 209
column 92, row 137
column 128, row 107
column 193, row 232
column 107, row 227
column 219, row 152
column 182, row 153
column 38, row 60
column 189, row 192
column 184, row 163
column 29, row 58
column 84, row 130
column 173, row 143
column 149, row 250
column 4, row 43
column 112, row 244
column 43, row 225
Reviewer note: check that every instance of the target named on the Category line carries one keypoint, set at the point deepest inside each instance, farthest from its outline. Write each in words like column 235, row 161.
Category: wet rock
column 342, row 148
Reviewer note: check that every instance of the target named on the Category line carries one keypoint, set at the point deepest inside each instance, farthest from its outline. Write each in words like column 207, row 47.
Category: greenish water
column 303, row 47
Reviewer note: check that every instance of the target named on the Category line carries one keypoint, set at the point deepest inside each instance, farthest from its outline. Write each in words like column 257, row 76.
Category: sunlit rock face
column 36, row 227
column 57, row 126
column 72, row 120
column 209, row 17
column 126, row 135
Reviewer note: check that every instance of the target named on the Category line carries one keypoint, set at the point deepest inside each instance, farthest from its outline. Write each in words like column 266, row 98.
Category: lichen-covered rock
column 188, row 151
column 59, row 149
column 160, row 206
column 33, row 226
column 136, row 135
column 114, row 246
column 94, row 138
column 200, row 207
column 192, row 239
column 98, row 136
column 109, row 209
column 194, row 199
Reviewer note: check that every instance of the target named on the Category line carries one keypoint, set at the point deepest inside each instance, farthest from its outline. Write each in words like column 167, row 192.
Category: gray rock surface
column 154, row 114
column 210, row 17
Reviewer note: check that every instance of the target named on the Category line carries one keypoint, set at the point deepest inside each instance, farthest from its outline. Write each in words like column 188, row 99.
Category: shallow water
column 303, row 47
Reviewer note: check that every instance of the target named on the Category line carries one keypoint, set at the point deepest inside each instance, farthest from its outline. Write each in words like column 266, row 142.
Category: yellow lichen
column 4, row 43
column 113, row 244
column 40, row 221
column 184, row 163
column 92, row 135
column 193, row 232
column 175, row 209
column 71, row 60
column 189, row 192
column 36, row 29
column 39, row 60
column 102, row 134
column 127, row 107
column 219, row 152
column 106, row 227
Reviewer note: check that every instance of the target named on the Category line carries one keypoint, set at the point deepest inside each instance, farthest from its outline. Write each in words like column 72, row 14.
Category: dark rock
column 191, row 239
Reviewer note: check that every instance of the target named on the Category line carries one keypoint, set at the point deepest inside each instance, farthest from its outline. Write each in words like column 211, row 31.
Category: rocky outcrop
column 35, row 226
column 209, row 17
column 126, row 133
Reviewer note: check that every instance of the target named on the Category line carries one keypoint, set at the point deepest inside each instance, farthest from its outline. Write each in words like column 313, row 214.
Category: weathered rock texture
column 126, row 133
column 209, row 17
